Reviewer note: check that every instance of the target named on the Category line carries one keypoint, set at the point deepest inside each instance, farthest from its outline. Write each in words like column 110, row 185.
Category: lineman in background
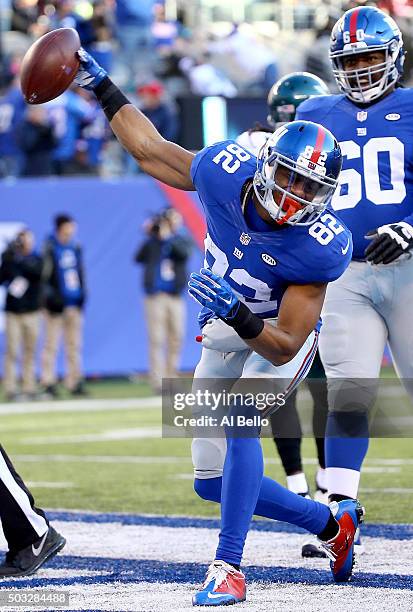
column 31, row 540
column 283, row 99
column 371, row 304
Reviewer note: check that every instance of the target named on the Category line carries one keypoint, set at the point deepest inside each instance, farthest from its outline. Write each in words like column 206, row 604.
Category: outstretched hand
column 90, row 74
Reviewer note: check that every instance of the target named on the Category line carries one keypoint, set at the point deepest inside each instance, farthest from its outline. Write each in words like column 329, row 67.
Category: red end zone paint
column 192, row 216
column 318, row 147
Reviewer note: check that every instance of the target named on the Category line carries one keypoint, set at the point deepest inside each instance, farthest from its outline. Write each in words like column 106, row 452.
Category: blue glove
column 90, row 74
column 212, row 291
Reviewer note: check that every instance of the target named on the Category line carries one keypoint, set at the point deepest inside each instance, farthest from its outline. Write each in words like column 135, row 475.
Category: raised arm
column 162, row 159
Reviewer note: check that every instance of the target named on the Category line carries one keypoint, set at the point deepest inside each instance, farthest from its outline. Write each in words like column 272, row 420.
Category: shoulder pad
column 322, row 104
column 253, row 141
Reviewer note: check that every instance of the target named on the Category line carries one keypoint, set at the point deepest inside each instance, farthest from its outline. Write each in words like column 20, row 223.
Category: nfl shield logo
column 361, row 115
column 244, row 238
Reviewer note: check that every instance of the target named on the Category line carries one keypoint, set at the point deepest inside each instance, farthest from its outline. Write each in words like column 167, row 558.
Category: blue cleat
column 340, row 550
column 223, row 586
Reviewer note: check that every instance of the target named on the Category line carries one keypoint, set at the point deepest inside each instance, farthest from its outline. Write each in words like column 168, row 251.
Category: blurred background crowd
column 201, row 71
column 170, row 57
column 46, row 292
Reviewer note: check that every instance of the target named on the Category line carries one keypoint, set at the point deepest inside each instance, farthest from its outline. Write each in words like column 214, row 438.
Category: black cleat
column 312, row 549
column 79, row 391
column 50, row 392
column 28, row 560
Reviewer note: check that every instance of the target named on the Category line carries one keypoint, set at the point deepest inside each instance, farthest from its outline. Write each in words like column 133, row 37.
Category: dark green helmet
column 288, row 93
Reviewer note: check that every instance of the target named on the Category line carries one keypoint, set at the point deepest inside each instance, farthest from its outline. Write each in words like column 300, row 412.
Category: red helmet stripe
column 353, row 25
column 318, row 147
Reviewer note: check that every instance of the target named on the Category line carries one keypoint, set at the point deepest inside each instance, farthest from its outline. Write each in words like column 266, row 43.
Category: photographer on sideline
column 20, row 271
column 164, row 254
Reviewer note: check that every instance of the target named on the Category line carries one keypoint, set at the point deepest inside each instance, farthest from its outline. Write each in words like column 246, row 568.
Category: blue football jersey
column 260, row 265
column 12, row 109
column 67, row 114
column 376, row 182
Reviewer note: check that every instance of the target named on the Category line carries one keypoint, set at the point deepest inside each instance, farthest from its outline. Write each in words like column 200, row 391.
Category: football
column 50, row 65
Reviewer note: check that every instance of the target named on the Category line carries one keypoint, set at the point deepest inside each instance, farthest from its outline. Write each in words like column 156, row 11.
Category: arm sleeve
column 47, row 263
column 218, row 175
column 142, row 254
column 81, row 271
column 180, row 249
column 8, row 266
column 32, row 270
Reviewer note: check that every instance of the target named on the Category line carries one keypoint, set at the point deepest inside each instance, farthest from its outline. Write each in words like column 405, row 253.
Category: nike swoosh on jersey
column 344, row 251
column 37, row 550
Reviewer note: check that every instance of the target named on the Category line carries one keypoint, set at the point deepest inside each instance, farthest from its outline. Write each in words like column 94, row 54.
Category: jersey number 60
column 393, row 151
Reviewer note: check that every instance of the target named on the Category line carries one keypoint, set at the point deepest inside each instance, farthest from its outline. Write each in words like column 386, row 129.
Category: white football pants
column 364, row 309
column 208, row 454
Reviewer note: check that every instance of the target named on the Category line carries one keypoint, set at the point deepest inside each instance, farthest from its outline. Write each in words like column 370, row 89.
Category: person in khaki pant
column 20, row 271
column 164, row 255
column 63, row 278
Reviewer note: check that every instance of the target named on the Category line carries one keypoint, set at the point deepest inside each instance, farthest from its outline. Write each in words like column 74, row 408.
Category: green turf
column 107, row 388
column 159, row 484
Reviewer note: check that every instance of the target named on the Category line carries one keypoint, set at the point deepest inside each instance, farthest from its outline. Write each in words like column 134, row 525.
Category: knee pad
column 351, row 395
column 208, row 456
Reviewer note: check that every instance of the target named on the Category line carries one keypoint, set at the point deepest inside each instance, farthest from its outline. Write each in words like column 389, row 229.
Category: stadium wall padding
column 110, row 214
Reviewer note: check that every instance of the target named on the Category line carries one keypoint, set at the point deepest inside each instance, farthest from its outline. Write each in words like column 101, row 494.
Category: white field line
column 90, row 405
column 389, row 490
column 179, row 545
column 46, row 484
column 389, row 390
column 137, row 433
column 164, row 597
column 98, row 459
column 385, row 490
column 148, row 459
column 380, row 470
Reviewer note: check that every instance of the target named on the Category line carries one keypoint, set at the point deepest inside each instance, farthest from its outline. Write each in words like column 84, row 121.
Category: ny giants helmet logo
column 305, row 161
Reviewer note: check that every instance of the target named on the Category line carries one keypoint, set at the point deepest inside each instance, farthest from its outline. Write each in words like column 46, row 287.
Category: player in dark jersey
column 271, row 249
column 373, row 121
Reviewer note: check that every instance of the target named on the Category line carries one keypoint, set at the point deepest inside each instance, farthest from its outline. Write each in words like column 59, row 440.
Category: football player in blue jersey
column 12, row 109
column 370, row 304
column 284, row 97
column 271, row 215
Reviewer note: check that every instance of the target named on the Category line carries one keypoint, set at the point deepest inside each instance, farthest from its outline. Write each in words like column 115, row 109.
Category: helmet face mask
column 284, row 114
column 289, row 92
column 291, row 187
column 362, row 31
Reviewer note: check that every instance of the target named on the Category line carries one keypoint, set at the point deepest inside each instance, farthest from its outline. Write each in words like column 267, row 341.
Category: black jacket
column 150, row 255
column 38, row 143
column 29, row 270
column 53, row 299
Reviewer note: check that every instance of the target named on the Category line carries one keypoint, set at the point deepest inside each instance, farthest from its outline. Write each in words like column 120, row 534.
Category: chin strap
column 245, row 195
